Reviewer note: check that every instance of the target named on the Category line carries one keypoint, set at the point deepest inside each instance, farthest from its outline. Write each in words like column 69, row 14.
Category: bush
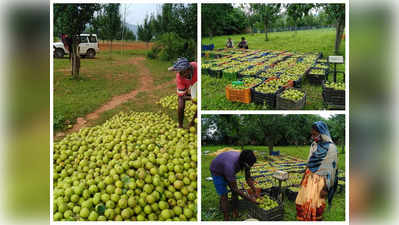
column 170, row 46
column 59, row 121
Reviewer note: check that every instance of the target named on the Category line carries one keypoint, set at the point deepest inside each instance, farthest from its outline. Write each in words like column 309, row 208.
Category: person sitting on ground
column 243, row 43
column 229, row 43
column 186, row 82
column 223, row 170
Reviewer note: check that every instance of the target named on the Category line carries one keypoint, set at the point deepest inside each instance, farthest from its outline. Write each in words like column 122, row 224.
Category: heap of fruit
column 335, row 85
column 317, row 72
column 171, row 102
column 267, row 74
column 136, row 166
column 267, row 88
column 237, row 86
column 250, row 81
column 266, row 203
column 292, row 94
column 206, row 65
column 321, row 65
column 232, row 70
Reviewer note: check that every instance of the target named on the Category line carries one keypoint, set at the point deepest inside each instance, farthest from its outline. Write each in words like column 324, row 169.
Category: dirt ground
column 117, row 45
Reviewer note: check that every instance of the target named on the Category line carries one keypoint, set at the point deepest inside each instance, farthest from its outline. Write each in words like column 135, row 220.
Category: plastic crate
column 215, row 73
column 316, row 79
column 262, row 98
column 274, row 214
column 291, row 195
column 238, row 95
column 286, row 104
column 333, row 98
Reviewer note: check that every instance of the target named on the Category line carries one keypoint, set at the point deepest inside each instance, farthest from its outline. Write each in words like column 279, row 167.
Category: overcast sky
column 135, row 13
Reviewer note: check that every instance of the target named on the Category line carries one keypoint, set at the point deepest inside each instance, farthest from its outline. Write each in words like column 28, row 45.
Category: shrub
column 170, row 46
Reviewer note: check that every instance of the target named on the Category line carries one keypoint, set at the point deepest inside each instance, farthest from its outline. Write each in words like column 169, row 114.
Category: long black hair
column 247, row 159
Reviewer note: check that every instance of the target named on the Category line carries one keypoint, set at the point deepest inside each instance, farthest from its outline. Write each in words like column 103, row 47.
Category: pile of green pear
column 171, row 102
column 292, row 94
column 335, row 85
column 267, row 88
column 251, row 81
column 206, row 65
column 317, row 72
column 232, row 70
column 266, row 203
column 136, row 166
column 320, row 65
column 238, row 86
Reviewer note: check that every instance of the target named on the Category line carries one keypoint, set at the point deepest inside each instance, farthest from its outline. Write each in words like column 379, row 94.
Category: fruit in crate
column 238, row 86
column 317, row 72
column 206, row 66
column 336, row 86
column 275, row 82
column 231, row 70
column 267, row 88
column 292, row 94
column 267, row 74
column 251, row 81
column 266, row 203
column 320, row 65
column 250, row 72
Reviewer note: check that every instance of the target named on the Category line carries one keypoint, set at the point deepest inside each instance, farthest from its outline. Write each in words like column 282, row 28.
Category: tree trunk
column 110, row 54
column 270, row 148
column 338, row 35
column 75, row 58
column 266, row 38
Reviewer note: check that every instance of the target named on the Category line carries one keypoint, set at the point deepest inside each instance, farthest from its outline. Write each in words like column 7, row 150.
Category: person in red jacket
column 186, row 82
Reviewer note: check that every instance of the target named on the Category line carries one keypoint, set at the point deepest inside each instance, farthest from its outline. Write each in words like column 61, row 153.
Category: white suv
column 88, row 46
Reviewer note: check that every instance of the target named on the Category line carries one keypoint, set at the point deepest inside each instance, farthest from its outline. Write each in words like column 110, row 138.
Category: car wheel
column 59, row 53
column 91, row 53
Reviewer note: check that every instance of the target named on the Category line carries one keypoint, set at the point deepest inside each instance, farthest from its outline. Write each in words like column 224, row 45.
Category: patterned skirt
column 311, row 199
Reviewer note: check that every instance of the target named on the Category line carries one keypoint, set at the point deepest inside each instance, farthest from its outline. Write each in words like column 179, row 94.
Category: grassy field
column 210, row 199
column 213, row 90
column 102, row 78
column 321, row 40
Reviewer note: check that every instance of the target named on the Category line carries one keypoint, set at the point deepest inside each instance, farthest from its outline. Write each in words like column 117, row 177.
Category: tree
column 222, row 19
column 297, row 11
column 112, row 22
column 144, row 31
column 267, row 14
column 336, row 126
column 269, row 129
column 71, row 19
column 336, row 13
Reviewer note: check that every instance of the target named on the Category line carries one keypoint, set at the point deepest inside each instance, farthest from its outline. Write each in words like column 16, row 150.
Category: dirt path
column 146, row 83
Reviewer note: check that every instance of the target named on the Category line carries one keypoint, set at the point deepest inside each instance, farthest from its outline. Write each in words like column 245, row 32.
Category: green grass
column 210, row 199
column 321, row 40
column 102, row 78
column 213, row 90
column 159, row 70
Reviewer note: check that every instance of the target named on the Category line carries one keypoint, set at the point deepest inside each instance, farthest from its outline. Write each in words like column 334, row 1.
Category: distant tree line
column 268, row 130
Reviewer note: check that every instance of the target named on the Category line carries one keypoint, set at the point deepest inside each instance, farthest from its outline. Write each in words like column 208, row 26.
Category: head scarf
column 181, row 64
column 323, row 161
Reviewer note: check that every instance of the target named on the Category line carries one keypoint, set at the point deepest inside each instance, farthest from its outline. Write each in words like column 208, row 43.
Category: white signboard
column 336, row 59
